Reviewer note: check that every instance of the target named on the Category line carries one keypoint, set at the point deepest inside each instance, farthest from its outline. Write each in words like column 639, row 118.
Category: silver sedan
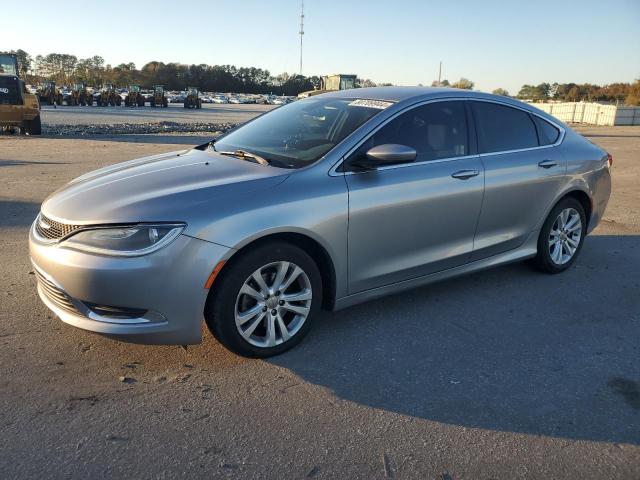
column 323, row 203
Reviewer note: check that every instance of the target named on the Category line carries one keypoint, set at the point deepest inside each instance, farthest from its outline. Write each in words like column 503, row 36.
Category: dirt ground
column 503, row 374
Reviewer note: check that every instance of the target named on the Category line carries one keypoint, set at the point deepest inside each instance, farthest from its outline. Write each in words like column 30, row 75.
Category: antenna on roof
column 301, row 32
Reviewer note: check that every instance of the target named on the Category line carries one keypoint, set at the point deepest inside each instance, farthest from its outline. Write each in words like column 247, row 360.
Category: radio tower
column 301, row 32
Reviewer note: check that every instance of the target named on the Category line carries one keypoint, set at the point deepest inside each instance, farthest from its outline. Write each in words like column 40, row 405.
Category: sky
column 494, row 43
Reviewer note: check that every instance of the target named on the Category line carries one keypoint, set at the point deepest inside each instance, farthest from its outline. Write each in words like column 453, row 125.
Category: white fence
column 592, row 113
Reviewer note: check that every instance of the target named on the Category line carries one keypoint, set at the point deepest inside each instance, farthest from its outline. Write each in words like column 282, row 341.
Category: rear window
column 547, row 133
column 501, row 128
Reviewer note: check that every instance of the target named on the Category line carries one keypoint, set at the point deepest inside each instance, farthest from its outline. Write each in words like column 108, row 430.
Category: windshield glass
column 300, row 133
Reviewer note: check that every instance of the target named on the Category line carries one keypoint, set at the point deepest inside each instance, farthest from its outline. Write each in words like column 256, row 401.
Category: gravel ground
column 92, row 121
column 210, row 113
column 503, row 374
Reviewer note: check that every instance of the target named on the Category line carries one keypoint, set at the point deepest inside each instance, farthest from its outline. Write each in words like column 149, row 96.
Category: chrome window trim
column 334, row 173
column 501, row 152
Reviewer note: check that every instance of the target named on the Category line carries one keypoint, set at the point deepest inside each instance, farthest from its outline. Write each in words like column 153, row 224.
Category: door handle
column 547, row 164
column 464, row 174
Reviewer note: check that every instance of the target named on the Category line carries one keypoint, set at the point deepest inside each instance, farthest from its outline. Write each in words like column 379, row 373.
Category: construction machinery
column 50, row 94
column 79, row 95
column 159, row 99
column 18, row 107
column 134, row 98
column 192, row 100
column 329, row 83
column 109, row 97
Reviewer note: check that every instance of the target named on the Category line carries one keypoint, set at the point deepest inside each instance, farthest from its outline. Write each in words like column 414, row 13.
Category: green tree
column 464, row 83
column 500, row 91
column 633, row 97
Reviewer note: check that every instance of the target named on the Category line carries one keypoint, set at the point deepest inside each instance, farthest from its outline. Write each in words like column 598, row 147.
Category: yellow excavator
column 192, row 100
column 18, row 107
column 159, row 99
column 109, row 97
column 134, row 98
column 79, row 95
column 330, row 83
column 50, row 93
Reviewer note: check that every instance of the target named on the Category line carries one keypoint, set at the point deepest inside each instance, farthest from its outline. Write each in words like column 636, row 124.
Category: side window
column 501, row 128
column 547, row 133
column 436, row 130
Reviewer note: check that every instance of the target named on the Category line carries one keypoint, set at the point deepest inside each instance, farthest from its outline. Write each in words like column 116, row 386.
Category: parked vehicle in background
column 109, row 97
column 18, row 107
column 134, row 98
column 79, row 95
column 192, row 99
column 326, row 202
column 219, row 99
column 159, row 99
column 331, row 83
column 235, row 100
column 50, row 94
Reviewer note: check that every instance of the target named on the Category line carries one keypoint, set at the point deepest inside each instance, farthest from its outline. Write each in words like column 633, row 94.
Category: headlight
column 129, row 241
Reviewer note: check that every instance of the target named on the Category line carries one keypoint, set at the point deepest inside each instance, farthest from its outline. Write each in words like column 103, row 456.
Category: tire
column 33, row 127
column 225, row 300
column 556, row 259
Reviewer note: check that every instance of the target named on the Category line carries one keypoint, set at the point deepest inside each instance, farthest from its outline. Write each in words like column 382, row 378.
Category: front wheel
column 264, row 302
column 561, row 236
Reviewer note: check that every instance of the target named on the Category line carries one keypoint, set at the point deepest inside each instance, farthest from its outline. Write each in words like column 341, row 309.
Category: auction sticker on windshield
column 371, row 104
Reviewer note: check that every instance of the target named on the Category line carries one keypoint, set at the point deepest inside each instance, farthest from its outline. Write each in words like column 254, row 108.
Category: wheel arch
column 311, row 246
column 584, row 199
column 580, row 194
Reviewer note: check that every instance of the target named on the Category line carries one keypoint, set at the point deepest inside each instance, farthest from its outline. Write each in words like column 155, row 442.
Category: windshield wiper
column 246, row 156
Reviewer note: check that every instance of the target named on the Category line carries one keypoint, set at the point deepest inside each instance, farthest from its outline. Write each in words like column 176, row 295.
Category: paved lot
column 210, row 113
column 503, row 374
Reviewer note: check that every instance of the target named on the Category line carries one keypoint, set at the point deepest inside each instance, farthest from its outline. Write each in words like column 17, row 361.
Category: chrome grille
column 55, row 294
column 55, row 230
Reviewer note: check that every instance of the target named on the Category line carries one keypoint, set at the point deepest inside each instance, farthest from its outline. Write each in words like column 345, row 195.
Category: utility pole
column 440, row 74
column 301, row 32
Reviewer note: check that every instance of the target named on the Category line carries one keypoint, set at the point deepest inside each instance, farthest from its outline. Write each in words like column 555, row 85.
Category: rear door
column 524, row 170
column 417, row 218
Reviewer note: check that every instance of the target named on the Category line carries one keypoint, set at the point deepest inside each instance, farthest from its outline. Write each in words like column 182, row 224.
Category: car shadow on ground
column 509, row 349
column 17, row 213
column 19, row 163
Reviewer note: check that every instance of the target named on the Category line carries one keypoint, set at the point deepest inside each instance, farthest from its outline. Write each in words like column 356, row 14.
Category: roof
column 395, row 94
column 416, row 94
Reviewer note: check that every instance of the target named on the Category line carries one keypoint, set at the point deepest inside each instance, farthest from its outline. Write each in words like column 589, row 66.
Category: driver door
column 413, row 219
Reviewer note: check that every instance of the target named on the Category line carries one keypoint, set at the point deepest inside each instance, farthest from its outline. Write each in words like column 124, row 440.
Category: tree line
column 623, row 93
column 67, row 69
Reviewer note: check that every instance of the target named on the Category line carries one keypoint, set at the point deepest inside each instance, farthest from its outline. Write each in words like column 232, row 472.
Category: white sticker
column 380, row 104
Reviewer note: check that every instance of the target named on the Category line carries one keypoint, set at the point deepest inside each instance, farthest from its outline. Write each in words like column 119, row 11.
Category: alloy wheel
column 273, row 304
column 565, row 235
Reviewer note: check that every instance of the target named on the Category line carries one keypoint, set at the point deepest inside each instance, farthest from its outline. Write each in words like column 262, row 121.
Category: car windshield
column 300, row 133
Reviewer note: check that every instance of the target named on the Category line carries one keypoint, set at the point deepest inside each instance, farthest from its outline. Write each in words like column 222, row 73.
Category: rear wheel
column 265, row 301
column 561, row 236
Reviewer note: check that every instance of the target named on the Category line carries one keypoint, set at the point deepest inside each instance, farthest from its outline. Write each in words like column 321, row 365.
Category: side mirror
column 387, row 154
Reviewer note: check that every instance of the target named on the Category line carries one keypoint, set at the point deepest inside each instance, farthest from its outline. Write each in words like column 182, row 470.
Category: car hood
column 176, row 186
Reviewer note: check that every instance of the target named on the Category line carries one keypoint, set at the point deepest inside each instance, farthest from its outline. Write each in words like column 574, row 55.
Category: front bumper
column 155, row 299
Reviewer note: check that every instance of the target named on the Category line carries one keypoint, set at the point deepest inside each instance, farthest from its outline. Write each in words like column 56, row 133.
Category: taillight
column 609, row 159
